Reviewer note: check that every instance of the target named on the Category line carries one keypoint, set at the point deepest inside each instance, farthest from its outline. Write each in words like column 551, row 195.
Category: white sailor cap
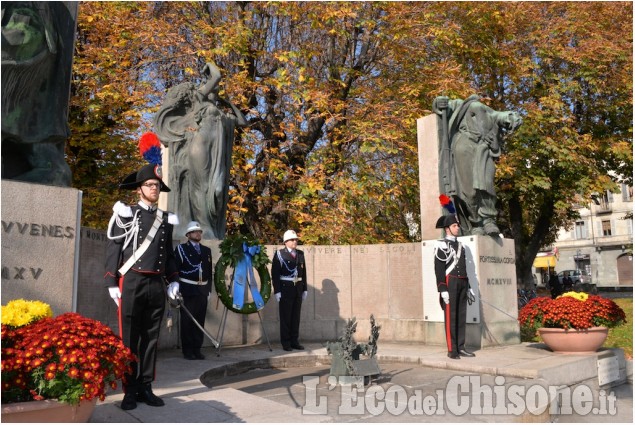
column 288, row 235
column 193, row 226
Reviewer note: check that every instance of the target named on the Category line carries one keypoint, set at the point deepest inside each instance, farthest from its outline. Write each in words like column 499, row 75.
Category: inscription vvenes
column 33, row 229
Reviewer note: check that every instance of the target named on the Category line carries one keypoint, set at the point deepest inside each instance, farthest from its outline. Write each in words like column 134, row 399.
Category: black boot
column 129, row 401
column 146, row 395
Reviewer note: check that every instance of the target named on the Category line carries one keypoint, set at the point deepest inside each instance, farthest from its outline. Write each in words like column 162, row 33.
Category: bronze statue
column 198, row 128
column 469, row 143
column 37, row 55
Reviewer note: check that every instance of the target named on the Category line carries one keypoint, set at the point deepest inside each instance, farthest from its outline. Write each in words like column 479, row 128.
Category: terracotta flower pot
column 574, row 341
column 47, row 411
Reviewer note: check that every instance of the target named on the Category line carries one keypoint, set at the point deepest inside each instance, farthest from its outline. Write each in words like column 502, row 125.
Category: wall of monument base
column 393, row 282
column 40, row 243
column 344, row 282
column 476, row 336
column 407, row 331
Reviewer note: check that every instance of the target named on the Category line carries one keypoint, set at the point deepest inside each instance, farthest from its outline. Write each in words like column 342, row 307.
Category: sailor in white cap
column 194, row 261
column 288, row 275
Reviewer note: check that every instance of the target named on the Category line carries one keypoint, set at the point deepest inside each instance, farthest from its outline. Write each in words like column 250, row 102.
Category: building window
column 606, row 199
column 580, row 230
column 627, row 193
column 606, row 227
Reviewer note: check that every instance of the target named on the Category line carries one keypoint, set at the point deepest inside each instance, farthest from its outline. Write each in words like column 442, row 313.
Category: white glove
column 304, row 294
column 278, row 296
column 115, row 294
column 446, row 297
column 173, row 290
column 472, row 293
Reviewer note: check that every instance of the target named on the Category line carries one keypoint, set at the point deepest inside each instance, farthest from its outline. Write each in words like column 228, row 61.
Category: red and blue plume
column 446, row 202
column 150, row 148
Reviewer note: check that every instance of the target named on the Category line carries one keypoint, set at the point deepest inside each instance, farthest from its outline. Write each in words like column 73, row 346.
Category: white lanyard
column 144, row 246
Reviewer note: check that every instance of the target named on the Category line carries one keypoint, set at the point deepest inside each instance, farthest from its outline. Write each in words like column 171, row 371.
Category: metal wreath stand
column 224, row 295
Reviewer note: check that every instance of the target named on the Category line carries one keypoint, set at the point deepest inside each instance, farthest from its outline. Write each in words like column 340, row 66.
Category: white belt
column 193, row 282
column 292, row 279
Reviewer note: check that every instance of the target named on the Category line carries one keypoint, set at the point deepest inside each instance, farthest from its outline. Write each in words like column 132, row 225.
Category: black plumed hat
column 150, row 149
column 446, row 221
column 147, row 172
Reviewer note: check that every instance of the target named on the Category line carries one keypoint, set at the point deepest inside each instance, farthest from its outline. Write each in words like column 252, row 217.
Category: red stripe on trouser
column 119, row 308
column 448, row 332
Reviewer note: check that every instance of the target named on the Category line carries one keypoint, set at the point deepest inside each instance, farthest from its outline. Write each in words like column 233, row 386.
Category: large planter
column 47, row 411
column 574, row 341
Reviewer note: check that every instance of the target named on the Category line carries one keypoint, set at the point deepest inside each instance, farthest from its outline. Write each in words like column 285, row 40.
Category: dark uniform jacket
column 157, row 260
column 287, row 269
column 440, row 267
column 188, row 262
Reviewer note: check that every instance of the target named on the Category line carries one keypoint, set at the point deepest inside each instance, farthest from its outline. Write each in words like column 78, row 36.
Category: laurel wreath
column 231, row 254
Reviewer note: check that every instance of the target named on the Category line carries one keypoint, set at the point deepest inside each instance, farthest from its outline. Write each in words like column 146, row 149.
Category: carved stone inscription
column 39, row 243
column 12, row 228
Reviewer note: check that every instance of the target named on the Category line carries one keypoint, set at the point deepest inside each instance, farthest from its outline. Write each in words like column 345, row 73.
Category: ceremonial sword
column 180, row 304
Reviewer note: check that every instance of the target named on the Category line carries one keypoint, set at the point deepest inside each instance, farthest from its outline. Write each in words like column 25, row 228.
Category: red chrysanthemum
column 69, row 358
column 570, row 312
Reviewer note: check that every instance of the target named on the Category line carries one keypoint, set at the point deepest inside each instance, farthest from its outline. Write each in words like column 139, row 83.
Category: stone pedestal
column 492, row 319
column 428, row 149
column 40, row 244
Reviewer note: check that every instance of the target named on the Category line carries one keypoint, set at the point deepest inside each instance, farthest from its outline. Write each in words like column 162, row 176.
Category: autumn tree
column 312, row 156
column 107, row 105
column 567, row 67
column 332, row 91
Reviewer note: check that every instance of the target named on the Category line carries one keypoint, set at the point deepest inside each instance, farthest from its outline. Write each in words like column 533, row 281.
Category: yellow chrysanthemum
column 581, row 296
column 21, row 312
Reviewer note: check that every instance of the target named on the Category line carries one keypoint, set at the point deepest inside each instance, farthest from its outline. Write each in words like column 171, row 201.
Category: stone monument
column 197, row 128
column 469, row 142
column 40, row 244
column 40, row 216
column 37, row 56
column 457, row 149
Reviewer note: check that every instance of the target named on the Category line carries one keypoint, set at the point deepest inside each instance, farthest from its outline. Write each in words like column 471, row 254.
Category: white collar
column 146, row 206
column 450, row 238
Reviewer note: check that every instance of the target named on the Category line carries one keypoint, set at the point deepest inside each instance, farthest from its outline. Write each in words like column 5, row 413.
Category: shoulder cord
column 131, row 229
column 184, row 257
column 141, row 249
column 294, row 271
column 450, row 254
column 448, row 250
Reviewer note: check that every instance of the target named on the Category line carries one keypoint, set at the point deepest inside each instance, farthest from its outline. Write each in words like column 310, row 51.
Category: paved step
column 428, row 368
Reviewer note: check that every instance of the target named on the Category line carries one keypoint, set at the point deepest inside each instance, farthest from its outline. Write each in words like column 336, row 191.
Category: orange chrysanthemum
column 577, row 312
column 69, row 358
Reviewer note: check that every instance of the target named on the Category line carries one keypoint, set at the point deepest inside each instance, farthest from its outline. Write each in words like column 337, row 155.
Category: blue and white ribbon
column 243, row 276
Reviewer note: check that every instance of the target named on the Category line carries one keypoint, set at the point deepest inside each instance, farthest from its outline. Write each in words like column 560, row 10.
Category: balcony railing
column 603, row 208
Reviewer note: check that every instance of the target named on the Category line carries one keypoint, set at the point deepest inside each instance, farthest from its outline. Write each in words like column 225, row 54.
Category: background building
column 600, row 243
